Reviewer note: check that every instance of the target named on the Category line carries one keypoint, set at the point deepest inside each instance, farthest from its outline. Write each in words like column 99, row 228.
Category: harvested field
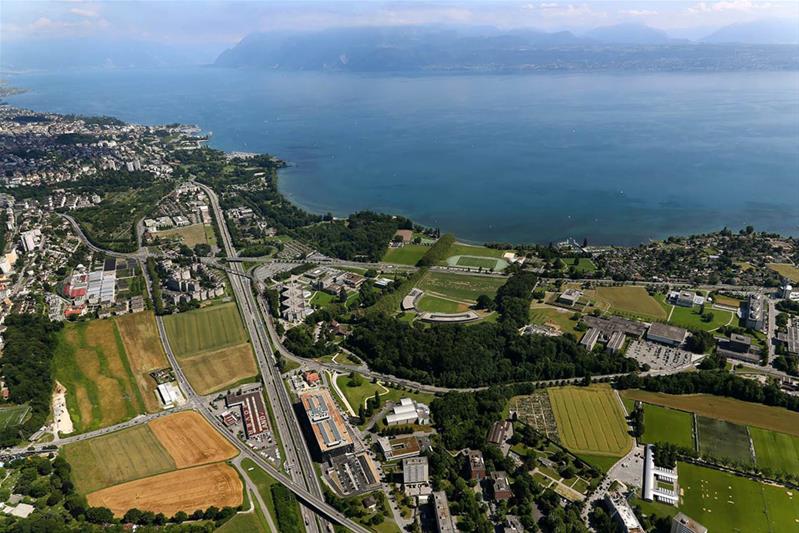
column 90, row 361
column 632, row 300
column 590, row 420
column 145, row 353
column 190, row 440
column 723, row 408
column 204, row 330
column 116, row 458
column 723, row 440
column 182, row 490
column 213, row 371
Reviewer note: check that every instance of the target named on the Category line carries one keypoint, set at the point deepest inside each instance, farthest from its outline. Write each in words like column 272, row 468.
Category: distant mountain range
column 420, row 48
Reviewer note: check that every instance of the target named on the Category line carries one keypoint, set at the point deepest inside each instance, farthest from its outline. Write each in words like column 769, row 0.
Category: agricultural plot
column 535, row 410
column 13, row 415
column 723, row 408
column 630, row 300
column 116, row 458
column 724, row 502
column 590, row 420
column 182, row 490
column 662, row 424
column 91, row 363
column 460, row 286
column 212, row 371
column 776, row 451
column 723, row 440
column 145, row 353
column 785, row 270
column 405, row 255
column 190, row 440
column 207, row 329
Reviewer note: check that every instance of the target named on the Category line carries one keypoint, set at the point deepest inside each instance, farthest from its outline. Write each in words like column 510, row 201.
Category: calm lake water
column 525, row 158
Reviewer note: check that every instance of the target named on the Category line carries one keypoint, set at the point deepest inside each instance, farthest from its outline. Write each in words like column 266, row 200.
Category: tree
column 586, row 379
column 700, row 341
column 342, row 295
column 484, row 302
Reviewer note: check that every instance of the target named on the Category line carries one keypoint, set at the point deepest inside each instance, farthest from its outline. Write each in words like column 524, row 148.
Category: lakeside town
column 367, row 372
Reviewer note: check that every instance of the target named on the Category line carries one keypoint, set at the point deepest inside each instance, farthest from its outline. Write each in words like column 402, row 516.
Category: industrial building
column 665, row 334
column 444, row 523
column 170, row 394
column 253, row 411
column 500, row 432
column 326, row 424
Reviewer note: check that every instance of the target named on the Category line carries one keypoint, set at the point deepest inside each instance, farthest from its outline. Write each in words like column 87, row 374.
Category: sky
column 226, row 22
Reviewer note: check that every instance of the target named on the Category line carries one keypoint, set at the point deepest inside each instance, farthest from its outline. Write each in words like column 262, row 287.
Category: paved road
column 771, row 328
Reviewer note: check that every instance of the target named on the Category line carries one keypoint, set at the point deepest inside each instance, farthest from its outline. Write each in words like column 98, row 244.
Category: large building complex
column 253, row 411
column 329, row 432
column 444, row 523
column 665, row 334
column 754, row 312
column 408, row 411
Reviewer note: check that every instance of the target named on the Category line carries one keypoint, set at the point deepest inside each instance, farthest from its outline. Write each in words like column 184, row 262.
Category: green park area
column 358, row 389
column 697, row 317
column 245, row 522
column 662, row 424
column 725, row 502
column 13, row 415
column 408, row 254
column 582, row 265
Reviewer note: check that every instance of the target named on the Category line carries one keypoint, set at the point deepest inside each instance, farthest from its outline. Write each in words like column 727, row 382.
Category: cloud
column 88, row 13
column 744, row 6
column 638, row 12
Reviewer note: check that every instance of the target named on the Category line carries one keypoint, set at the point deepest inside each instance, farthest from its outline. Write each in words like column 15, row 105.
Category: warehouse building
column 253, row 411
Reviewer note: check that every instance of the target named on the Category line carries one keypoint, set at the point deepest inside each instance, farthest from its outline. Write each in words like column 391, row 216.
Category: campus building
column 622, row 513
column 444, row 523
column 652, row 474
column 681, row 523
column 665, row 334
column 754, row 312
column 408, row 411
column 416, row 478
column 326, row 425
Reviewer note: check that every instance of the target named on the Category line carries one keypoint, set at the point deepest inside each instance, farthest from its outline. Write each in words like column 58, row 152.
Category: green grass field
column 629, row 300
column 785, row 270
column 551, row 315
column 590, row 420
column 91, row 362
column 264, row 482
column 406, row 255
column 724, row 502
column 584, row 265
column 433, row 304
column 667, row 425
column 476, row 262
column 460, row 286
column 253, row 522
column 723, row 440
column 322, row 299
column 691, row 317
column 356, row 396
column 12, row 415
column 204, row 330
column 116, row 458
column 479, row 251
column 776, row 451
column 600, row 462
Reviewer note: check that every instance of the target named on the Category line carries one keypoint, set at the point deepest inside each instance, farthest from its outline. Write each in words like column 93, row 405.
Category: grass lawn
column 590, row 420
column 460, row 286
column 264, row 482
column 552, row 315
column 322, row 299
column 667, row 425
column 145, row 353
column 406, row 255
column 12, row 415
column 785, row 270
column 723, row 408
column 600, row 462
column 245, row 523
column 459, row 248
column 724, row 502
column 189, row 235
column 357, row 396
column 116, row 458
column 776, row 451
column 630, row 300
column 720, row 299
column 584, row 264
column 90, row 361
column 691, row 318
column 207, row 329
column 476, row 262
column 433, row 304
column 723, row 440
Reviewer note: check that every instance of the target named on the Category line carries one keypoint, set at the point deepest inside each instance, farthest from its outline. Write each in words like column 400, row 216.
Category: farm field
column 145, row 353
column 723, row 440
column 406, row 255
column 724, row 502
column 785, row 270
column 216, row 370
column 590, row 420
column 662, row 424
column 190, row 440
column 552, row 315
column 116, row 458
column 723, row 408
column 189, row 235
column 633, row 300
column 776, row 451
column 12, row 415
column 439, row 305
column 460, row 286
column 90, row 361
column 181, row 490
column 207, row 329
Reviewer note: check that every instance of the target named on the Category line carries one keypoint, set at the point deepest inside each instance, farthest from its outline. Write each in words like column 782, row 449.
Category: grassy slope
column 633, row 300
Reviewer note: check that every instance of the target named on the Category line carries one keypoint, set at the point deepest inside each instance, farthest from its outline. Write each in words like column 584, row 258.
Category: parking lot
column 658, row 356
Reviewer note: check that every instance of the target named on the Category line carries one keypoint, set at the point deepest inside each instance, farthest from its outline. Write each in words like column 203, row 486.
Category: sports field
column 723, row 408
column 12, row 415
column 776, row 451
column 182, row 490
column 785, row 270
column 116, row 458
column 590, row 420
column 477, row 262
column 212, row 371
column 406, row 255
column 724, row 440
column 207, row 329
column 145, row 353
column 632, row 300
column 667, row 425
column 460, row 286
column 90, row 361
column 724, row 502
column 190, row 440
column 189, row 235
column 434, row 304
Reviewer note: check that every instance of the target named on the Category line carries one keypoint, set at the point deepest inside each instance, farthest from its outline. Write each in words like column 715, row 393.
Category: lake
column 615, row 158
